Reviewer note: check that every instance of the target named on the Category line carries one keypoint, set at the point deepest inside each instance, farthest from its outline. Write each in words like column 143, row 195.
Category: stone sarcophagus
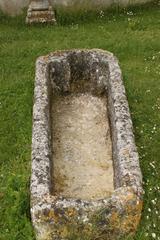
column 86, row 181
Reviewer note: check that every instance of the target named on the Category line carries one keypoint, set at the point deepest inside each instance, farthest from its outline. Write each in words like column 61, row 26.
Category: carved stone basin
column 86, row 181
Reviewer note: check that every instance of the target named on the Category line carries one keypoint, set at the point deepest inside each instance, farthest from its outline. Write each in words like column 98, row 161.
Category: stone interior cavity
column 82, row 151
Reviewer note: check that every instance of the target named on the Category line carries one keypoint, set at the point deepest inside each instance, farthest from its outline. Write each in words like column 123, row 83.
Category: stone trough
column 86, row 181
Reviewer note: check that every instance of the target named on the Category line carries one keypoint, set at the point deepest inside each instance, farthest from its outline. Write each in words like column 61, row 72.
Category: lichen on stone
column 58, row 217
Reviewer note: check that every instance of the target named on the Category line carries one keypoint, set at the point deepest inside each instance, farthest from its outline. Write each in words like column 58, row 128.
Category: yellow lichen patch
column 115, row 220
column 52, row 216
column 131, row 219
column 71, row 212
column 88, row 229
column 133, row 216
column 64, row 232
column 134, row 208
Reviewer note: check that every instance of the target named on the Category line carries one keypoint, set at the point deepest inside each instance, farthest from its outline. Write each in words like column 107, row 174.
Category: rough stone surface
column 59, row 218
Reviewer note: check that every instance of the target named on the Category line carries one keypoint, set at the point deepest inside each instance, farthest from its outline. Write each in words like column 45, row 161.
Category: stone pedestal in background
column 40, row 11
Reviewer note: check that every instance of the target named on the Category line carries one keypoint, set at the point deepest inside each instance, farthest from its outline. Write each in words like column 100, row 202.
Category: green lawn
column 133, row 35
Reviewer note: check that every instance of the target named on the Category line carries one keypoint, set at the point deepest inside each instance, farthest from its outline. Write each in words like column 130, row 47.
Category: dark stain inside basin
column 82, row 152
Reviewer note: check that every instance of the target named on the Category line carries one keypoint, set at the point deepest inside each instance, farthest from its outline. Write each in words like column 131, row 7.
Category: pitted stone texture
column 59, row 218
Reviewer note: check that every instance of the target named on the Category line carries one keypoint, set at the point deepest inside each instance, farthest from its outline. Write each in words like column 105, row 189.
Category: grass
column 133, row 35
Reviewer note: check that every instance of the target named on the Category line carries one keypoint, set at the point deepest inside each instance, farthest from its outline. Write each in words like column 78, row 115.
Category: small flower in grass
column 148, row 91
column 101, row 14
column 153, row 235
column 153, row 201
column 130, row 13
column 149, row 210
column 152, row 165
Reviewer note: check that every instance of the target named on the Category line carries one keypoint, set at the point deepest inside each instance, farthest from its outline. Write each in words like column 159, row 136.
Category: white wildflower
column 153, row 235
